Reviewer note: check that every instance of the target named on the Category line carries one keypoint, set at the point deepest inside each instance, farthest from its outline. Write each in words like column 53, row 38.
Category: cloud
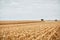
column 30, row 9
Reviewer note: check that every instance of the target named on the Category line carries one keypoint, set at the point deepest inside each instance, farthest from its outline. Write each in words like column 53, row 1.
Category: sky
column 29, row 9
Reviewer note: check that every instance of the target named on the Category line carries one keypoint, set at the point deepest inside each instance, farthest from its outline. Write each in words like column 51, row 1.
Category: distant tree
column 42, row 19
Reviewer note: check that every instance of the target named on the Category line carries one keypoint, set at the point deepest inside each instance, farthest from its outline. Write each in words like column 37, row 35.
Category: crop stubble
column 30, row 31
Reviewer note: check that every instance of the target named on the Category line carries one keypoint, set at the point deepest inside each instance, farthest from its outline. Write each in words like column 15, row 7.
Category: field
column 30, row 30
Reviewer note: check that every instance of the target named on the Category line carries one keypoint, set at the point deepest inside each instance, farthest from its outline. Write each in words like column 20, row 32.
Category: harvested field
column 30, row 31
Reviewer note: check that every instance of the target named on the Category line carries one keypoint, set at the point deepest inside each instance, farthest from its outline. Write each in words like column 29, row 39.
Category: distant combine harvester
column 42, row 19
column 56, row 20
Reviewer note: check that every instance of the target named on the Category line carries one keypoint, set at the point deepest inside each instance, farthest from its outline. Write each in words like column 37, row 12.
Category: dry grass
column 30, row 31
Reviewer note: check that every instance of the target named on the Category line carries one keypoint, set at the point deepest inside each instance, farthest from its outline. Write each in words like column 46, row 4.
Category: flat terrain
column 30, row 30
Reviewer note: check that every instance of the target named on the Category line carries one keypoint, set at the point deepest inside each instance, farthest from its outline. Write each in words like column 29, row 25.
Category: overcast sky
column 29, row 9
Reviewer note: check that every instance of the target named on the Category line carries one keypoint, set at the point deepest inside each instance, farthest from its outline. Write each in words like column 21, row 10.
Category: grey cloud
column 29, row 9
